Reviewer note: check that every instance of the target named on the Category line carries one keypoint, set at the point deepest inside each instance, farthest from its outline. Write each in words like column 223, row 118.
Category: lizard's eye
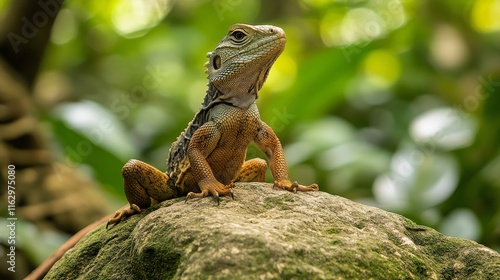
column 238, row 36
column 216, row 62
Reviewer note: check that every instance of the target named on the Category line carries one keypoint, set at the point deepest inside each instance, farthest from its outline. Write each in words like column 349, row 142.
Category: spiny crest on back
column 236, row 70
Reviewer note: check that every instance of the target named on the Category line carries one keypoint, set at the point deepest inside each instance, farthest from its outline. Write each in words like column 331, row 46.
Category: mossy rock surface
column 268, row 233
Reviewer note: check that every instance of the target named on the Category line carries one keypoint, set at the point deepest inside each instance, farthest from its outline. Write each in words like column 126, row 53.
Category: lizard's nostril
column 271, row 30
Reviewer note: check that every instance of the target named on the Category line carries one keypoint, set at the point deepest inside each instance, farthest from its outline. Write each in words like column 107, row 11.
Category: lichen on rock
column 268, row 233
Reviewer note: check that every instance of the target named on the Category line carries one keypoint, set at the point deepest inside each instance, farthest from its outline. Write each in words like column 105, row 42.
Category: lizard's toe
column 120, row 215
column 191, row 195
column 225, row 190
column 289, row 186
column 135, row 208
column 115, row 219
column 215, row 190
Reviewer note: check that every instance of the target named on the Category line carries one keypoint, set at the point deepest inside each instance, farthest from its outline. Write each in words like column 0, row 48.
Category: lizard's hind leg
column 142, row 183
column 253, row 170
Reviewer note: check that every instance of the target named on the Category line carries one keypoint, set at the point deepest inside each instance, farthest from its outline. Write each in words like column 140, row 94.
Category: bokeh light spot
column 134, row 18
column 382, row 67
column 485, row 16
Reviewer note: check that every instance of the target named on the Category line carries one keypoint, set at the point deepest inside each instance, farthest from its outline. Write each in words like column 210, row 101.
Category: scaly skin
column 209, row 156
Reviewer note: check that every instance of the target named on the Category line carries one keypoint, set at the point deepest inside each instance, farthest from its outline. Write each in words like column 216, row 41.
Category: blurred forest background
column 391, row 103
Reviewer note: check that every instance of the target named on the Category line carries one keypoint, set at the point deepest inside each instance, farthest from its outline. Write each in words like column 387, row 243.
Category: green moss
column 157, row 261
column 420, row 267
column 335, row 242
column 412, row 226
column 359, row 224
column 257, row 256
column 88, row 258
column 288, row 197
column 279, row 202
column 450, row 249
column 333, row 230
column 394, row 239
column 207, row 242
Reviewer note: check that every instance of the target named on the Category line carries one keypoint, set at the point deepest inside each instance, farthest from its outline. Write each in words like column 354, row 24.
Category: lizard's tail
column 43, row 268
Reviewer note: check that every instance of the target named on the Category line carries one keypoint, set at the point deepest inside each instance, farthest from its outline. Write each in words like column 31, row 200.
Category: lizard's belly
column 226, row 162
column 237, row 128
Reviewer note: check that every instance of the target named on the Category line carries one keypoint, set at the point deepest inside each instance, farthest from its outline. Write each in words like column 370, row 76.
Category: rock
column 268, row 233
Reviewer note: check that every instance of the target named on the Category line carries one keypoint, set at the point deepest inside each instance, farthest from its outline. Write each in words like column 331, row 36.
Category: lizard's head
column 240, row 63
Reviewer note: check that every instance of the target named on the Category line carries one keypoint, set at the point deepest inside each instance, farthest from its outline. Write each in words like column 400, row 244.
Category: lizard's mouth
column 273, row 44
column 238, row 68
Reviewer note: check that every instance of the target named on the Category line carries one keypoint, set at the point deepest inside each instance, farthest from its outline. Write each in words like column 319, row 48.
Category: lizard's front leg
column 269, row 143
column 203, row 142
column 142, row 182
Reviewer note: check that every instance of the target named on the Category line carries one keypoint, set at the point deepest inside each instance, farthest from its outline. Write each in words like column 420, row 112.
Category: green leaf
column 78, row 149
column 320, row 85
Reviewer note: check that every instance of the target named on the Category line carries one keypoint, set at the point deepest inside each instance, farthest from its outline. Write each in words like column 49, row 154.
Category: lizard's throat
column 240, row 98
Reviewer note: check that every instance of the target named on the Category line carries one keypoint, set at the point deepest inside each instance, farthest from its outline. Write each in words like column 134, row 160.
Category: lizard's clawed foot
column 122, row 214
column 215, row 190
column 289, row 186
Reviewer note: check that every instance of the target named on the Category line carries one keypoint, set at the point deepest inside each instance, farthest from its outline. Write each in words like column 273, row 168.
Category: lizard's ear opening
column 216, row 62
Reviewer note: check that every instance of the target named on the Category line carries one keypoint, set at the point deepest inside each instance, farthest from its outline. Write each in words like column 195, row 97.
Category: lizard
column 208, row 157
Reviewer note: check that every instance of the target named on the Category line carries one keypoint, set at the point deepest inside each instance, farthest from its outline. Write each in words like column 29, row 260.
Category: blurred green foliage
column 390, row 103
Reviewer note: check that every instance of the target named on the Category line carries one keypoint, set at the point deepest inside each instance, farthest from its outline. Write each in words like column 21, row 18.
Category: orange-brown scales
column 209, row 156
